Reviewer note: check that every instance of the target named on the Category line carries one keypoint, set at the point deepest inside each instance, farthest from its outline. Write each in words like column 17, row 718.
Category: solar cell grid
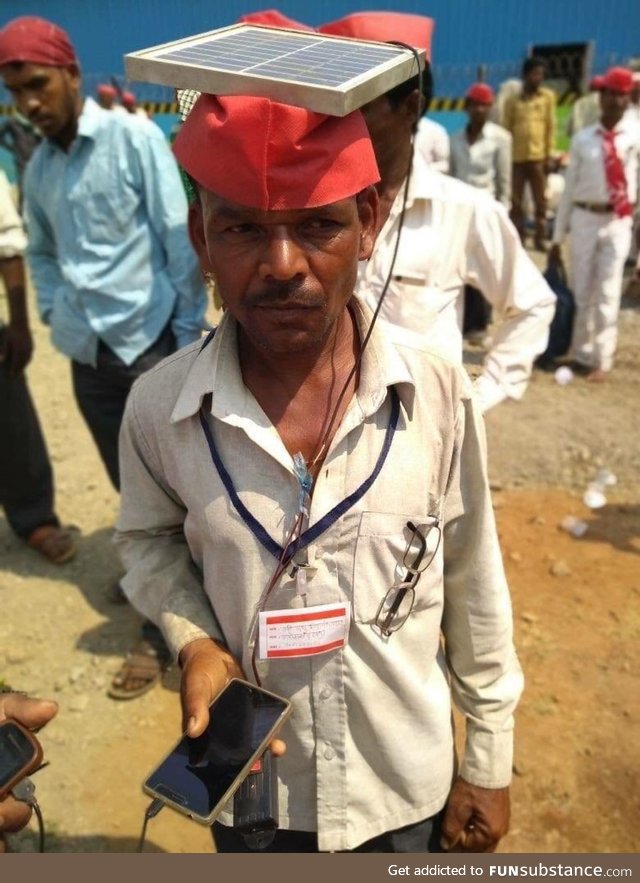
column 308, row 59
column 322, row 73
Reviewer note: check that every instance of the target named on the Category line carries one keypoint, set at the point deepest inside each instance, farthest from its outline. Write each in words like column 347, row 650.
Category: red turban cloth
column 106, row 90
column 385, row 27
column 274, row 157
column 618, row 79
column 275, row 19
column 480, row 93
column 34, row 40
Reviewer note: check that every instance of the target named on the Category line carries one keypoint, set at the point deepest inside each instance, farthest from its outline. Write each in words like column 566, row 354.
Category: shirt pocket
column 104, row 214
column 381, row 545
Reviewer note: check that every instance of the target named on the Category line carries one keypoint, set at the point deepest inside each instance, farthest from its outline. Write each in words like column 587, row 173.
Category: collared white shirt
column 12, row 237
column 486, row 163
column 432, row 142
column 369, row 746
column 585, row 178
column 455, row 235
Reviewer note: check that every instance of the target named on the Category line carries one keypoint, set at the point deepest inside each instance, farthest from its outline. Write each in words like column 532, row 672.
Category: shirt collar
column 216, row 372
column 89, row 122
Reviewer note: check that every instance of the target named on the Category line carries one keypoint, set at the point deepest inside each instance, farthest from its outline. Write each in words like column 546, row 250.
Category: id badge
column 307, row 631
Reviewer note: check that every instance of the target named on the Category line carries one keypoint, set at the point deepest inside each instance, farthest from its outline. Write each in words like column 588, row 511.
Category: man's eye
column 322, row 224
column 241, row 229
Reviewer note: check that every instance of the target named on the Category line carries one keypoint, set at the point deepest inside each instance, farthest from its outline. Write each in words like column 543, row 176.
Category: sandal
column 53, row 543
column 140, row 671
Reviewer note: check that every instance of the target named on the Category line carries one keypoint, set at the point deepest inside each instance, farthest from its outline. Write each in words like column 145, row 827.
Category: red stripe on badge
column 305, row 617
column 304, row 651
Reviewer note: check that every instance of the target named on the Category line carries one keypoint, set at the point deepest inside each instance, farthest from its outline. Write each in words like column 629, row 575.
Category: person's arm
column 441, row 152
column 166, row 207
column 523, row 304
column 33, row 714
column 551, row 127
column 41, row 253
column 17, row 344
column 561, row 223
column 508, row 114
column 503, row 171
column 486, row 679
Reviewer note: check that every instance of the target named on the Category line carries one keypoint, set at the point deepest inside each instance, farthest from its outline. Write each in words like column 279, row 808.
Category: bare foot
column 597, row 376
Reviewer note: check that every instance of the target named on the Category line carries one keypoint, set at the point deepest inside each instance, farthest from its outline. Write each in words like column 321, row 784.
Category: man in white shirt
column 481, row 157
column 596, row 209
column 481, row 152
column 452, row 235
column 432, row 141
column 586, row 111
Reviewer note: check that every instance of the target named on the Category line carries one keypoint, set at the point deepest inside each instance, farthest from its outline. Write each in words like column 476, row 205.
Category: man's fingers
column 452, row 828
column 14, row 815
column 278, row 747
column 32, row 713
column 197, row 696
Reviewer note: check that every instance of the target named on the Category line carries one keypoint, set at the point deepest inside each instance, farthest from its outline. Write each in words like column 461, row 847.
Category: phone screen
column 16, row 752
column 198, row 772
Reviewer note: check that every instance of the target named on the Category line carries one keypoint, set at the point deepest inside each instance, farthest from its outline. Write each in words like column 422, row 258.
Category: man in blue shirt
column 116, row 277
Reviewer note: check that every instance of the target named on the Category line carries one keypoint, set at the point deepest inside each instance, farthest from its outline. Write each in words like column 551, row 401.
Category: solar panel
column 332, row 75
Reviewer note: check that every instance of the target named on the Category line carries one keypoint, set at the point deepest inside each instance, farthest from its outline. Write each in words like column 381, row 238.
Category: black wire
column 387, row 282
column 150, row 813
column 40, row 820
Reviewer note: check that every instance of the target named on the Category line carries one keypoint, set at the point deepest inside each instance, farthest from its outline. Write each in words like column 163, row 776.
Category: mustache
column 282, row 292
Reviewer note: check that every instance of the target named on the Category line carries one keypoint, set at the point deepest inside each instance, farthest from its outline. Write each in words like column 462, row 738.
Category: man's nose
column 28, row 104
column 283, row 258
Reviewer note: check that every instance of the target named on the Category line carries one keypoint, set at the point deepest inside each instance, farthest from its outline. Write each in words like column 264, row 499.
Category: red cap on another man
column 275, row 157
column 618, row 79
column 274, row 18
column 106, row 91
column 33, row 40
column 596, row 83
column 480, row 93
column 385, row 27
column 128, row 99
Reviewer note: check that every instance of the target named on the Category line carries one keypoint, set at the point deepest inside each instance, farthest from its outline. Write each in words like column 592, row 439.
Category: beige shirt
column 370, row 745
column 485, row 164
column 12, row 237
column 455, row 235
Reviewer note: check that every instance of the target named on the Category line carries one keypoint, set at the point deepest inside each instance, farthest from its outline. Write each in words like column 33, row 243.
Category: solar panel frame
column 176, row 64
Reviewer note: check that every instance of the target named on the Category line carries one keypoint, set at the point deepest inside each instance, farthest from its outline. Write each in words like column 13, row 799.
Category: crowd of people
column 340, row 458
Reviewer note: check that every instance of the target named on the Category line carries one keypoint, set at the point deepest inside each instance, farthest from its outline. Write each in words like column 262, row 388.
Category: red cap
column 128, row 99
column 385, row 27
column 596, row 83
column 275, row 19
column 618, row 79
column 106, row 90
column 481, row 93
column 272, row 156
column 33, row 40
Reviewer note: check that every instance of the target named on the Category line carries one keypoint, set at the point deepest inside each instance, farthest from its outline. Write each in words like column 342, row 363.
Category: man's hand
column 207, row 667
column 17, row 347
column 31, row 713
column 554, row 256
column 475, row 818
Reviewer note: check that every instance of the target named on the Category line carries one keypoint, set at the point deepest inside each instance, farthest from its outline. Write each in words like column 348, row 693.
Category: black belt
column 600, row 208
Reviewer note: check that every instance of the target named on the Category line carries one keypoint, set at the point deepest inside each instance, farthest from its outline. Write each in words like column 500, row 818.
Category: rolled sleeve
column 167, row 210
column 12, row 237
column 523, row 302
column 486, row 679
column 161, row 580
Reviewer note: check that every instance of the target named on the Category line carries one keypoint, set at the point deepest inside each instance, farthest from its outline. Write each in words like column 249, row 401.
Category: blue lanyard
column 312, row 533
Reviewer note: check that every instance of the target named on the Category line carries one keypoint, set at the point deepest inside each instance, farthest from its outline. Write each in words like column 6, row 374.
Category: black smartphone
column 200, row 775
column 20, row 754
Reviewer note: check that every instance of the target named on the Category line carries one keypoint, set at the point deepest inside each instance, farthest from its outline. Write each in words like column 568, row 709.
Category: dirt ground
column 576, row 786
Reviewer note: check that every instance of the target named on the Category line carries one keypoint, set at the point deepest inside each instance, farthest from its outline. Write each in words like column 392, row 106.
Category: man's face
column 285, row 276
column 477, row 113
column 106, row 101
column 388, row 125
column 613, row 104
column 535, row 78
column 47, row 96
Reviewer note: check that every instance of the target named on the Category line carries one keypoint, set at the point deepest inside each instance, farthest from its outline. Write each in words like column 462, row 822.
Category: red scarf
column 616, row 178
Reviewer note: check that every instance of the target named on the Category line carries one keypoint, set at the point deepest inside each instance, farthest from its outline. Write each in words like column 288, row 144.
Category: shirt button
column 325, row 693
column 329, row 753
